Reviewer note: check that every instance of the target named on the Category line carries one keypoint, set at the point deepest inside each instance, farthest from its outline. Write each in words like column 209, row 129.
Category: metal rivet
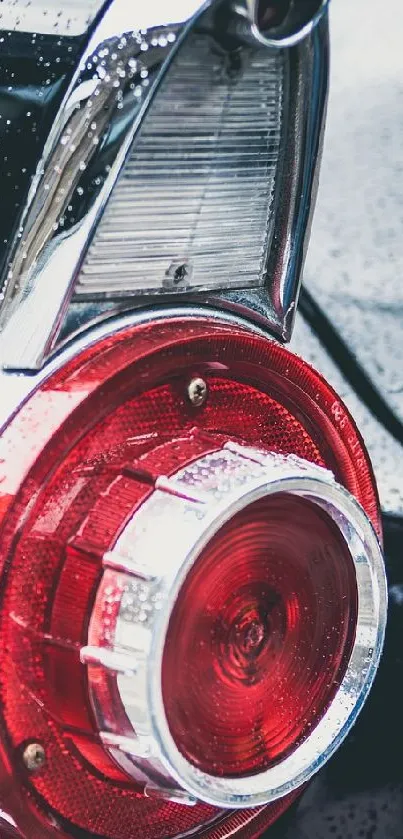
column 34, row 757
column 197, row 391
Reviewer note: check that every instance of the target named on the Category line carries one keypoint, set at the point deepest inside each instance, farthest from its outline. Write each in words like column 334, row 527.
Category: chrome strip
column 107, row 93
column 52, row 243
column 317, row 749
column 296, row 190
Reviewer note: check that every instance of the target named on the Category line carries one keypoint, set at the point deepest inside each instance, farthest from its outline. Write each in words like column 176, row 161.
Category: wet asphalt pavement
column 354, row 270
column 355, row 260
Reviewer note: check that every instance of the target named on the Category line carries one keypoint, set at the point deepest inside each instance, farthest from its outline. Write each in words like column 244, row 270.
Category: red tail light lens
column 85, row 454
column 263, row 630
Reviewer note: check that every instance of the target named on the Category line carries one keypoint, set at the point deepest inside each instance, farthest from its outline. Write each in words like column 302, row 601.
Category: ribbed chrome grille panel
column 193, row 208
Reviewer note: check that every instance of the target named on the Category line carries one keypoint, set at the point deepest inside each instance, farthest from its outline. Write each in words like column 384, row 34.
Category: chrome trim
column 226, row 482
column 273, row 306
column 35, row 305
column 117, row 662
column 107, row 93
column 124, row 744
column 118, row 562
column 309, row 78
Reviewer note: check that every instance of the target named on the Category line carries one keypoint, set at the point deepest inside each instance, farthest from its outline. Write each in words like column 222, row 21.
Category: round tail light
column 193, row 598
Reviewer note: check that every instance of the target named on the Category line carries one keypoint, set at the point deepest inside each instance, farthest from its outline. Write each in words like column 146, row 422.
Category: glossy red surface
column 263, row 629
column 79, row 457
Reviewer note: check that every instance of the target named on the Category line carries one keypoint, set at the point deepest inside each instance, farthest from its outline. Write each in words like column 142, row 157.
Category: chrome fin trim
column 111, row 89
column 58, row 224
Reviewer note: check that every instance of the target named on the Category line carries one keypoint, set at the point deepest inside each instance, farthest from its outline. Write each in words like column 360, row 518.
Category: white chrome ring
column 176, row 522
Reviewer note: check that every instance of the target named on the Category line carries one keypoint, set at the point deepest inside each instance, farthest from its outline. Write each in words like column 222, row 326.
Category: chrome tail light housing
column 168, row 111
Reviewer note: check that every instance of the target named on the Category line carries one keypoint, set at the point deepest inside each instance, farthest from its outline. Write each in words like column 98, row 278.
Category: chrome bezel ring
column 177, row 521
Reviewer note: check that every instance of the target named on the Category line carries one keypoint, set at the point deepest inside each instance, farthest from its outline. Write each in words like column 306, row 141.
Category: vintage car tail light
column 202, row 172
column 192, row 594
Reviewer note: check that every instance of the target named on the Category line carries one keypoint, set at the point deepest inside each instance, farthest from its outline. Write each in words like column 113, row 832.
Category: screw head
column 34, row 757
column 178, row 275
column 197, row 391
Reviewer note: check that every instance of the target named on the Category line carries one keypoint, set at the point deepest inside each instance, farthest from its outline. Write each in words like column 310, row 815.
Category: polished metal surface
column 273, row 306
column 35, row 72
column 83, row 155
column 191, row 506
column 87, row 147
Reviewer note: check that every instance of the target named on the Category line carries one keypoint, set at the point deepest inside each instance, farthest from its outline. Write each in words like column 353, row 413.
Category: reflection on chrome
column 87, row 148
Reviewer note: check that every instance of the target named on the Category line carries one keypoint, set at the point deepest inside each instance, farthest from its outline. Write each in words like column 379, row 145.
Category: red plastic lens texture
column 263, row 629
column 80, row 457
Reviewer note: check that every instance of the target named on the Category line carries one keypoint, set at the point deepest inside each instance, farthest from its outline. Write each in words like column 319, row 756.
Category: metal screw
column 178, row 275
column 34, row 757
column 197, row 391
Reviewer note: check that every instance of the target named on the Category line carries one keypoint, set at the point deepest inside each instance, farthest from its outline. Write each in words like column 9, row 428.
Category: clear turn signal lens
column 193, row 207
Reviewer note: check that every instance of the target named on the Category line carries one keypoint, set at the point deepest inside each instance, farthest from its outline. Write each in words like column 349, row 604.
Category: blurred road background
column 354, row 269
column 355, row 261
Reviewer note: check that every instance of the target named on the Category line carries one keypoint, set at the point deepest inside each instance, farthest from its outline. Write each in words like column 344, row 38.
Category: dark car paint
column 35, row 71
